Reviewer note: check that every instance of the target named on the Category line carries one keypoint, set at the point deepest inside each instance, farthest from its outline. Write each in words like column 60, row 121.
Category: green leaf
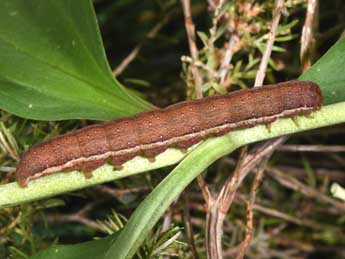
column 203, row 37
column 53, row 64
column 329, row 73
column 87, row 250
column 286, row 28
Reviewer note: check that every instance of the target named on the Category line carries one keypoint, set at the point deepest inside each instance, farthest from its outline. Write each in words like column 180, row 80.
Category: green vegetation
column 54, row 75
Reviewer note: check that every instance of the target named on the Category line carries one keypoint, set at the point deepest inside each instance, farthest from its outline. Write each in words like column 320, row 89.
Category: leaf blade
column 54, row 62
column 329, row 73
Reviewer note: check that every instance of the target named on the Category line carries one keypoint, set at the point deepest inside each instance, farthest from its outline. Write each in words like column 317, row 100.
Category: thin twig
column 218, row 210
column 150, row 35
column 288, row 218
column 267, row 149
column 79, row 216
column 212, row 5
column 120, row 192
column 260, row 76
column 189, row 227
column 224, row 67
column 311, row 148
column 292, row 183
column 215, row 20
column 190, row 29
column 73, row 218
column 250, row 206
column 204, row 189
column 216, row 214
column 166, row 221
column 201, row 65
column 281, row 215
column 248, row 162
column 8, row 143
column 334, row 175
column 14, row 223
column 308, row 42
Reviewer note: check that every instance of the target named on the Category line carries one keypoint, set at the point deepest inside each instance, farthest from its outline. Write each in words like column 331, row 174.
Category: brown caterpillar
column 181, row 125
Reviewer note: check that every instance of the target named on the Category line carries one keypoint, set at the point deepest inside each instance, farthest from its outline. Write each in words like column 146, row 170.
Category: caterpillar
column 181, row 125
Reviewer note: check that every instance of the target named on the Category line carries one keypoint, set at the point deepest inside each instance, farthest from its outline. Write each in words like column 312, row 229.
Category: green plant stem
column 11, row 194
column 151, row 209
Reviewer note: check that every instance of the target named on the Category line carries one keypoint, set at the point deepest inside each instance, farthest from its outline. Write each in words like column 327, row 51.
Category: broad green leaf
column 329, row 73
column 53, row 64
column 87, row 250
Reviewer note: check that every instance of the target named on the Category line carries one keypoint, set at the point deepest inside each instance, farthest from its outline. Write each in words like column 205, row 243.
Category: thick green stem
column 11, row 194
column 154, row 205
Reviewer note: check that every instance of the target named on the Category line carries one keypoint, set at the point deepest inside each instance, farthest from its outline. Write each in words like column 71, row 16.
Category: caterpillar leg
column 268, row 127
column 88, row 167
column 151, row 154
column 295, row 121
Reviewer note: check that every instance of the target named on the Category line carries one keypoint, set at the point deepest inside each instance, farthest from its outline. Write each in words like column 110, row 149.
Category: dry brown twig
column 250, row 208
column 190, row 29
column 263, row 65
column 218, row 209
column 258, row 206
column 14, row 223
column 215, row 217
column 260, row 76
column 116, row 193
column 281, row 215
column 224, row 67
column 80, row 216
column 308, row 43
column 311, row 148
column 297, row 172
column 292, row 183
column 189, row 228
column 218, row 206
column 136, row 50
column 8, row 143
column 199, row 64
